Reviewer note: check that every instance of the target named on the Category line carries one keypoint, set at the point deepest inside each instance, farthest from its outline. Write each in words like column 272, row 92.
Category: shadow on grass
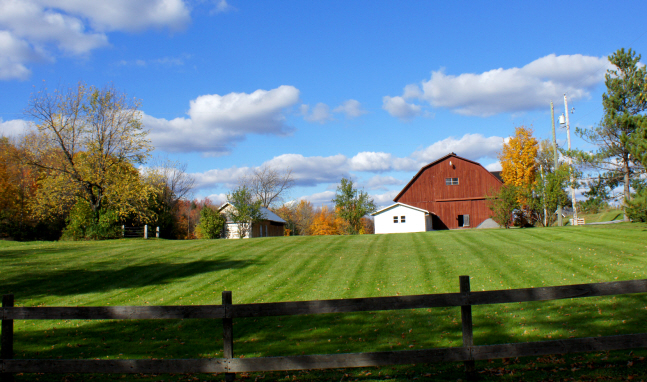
column 18, row 251
column 78, row 281
column 330, row 333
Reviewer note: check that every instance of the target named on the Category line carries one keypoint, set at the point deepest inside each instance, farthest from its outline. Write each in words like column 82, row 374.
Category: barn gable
column 454, row 190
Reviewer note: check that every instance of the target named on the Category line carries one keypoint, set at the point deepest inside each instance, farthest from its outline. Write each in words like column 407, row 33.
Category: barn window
column 403, row 219
column 463, row 220
column 395, row 219
column 451, row 181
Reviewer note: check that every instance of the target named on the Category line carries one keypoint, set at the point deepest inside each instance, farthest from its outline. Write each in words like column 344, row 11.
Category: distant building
column 270, row 224
column 400, row 217
column 452, row 190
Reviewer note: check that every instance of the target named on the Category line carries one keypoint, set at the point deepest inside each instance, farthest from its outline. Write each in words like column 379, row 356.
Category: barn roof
column 435, row 163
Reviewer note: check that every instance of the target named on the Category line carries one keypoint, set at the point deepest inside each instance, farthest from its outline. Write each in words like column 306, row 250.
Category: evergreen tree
column 616, row 134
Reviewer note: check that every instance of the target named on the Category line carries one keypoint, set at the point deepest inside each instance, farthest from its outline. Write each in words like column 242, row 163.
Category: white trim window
column 403, row 219
column 395, row 219
column 451, row 181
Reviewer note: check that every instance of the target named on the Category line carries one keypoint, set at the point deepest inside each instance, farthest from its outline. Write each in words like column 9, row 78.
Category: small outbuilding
column 269, row 225
column 400, row 217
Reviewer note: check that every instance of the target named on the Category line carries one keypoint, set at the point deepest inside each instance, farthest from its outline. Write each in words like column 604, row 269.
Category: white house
column 270, row 224
column 400, row 217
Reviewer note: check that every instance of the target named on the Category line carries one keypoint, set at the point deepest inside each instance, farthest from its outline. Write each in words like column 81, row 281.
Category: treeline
column 76, row 176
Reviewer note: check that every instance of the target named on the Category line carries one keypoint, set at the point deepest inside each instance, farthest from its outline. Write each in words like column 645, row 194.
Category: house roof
column 266, row 214
column 399, row 204
column 435, row 163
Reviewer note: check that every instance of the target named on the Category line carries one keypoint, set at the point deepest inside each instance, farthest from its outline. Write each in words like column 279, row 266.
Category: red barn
column 453, row 190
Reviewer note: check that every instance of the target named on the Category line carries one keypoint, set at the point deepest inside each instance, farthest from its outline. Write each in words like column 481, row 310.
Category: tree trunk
column 625, row 169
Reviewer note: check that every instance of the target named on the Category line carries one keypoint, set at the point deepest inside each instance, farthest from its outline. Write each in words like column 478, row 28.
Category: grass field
column 160, row 272
column 603, row 216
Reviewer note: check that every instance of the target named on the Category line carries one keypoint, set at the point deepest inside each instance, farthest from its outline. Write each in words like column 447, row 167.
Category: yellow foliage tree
column 518, row 159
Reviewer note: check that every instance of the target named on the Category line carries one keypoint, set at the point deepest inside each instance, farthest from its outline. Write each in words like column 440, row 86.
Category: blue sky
column 371, row 90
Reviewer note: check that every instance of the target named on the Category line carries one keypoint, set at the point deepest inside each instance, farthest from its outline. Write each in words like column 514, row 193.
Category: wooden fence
column 228, row 311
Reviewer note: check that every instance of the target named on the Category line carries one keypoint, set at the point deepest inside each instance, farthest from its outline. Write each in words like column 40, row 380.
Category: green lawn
column 603, row 216
column 161, row 272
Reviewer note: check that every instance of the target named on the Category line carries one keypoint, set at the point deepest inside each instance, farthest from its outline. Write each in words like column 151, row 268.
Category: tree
column 503, row 204
column 245, row 211
column 518, row 158
column 597, row 196
column 87, row 136
column 327, row 222
column 352, row 204
column 211, row 223
column 614, row 136
column 548, row 190
column 268, row 185
column 173, row 184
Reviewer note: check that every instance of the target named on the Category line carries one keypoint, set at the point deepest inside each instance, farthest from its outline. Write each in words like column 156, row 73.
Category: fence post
column 466, row 319
column 7, row 337
column 157, row 232
column 146, row 231
column 228, row 332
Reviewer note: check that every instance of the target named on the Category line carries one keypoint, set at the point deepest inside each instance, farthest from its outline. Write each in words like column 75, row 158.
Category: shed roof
column 266, row 214
column 398, row 204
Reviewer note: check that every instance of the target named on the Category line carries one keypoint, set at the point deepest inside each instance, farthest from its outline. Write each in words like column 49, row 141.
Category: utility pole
column 560, row 222
column 570, row 160
column 541, row 168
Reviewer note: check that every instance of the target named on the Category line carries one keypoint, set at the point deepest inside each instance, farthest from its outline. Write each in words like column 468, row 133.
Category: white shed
column 400, row 217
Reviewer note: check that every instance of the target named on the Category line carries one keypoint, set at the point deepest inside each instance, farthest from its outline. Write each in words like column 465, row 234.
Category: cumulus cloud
column 320, row 113
column 316, row 170
column 515, row 89
column 385, row 199
column 350, row 108
column 39, row 29
column 216, row 122
column 379, row 182
column 400, row 108
column 320, row 198
column 13, row 128
column 310, row 171
column 496, row 166
column 470, row 146
column 218, row 199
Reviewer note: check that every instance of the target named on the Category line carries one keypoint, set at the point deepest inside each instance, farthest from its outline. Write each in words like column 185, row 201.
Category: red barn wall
column 428, row 191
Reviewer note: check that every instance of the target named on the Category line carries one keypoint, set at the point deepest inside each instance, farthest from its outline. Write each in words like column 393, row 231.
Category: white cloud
column 222, row 7
column 218, row 199
column 351, row 109
column 310, row 171
column 398, row 107
column 470, row 146
column 40, row 29
column 411, row 91
column 13, row 128
column 379, row 182
column 371, row 161
column 496, row 166
column 385, row 199
column 217, row 122
column 516, row 89
column 320, row 198
column 315, row 170
column 320, row 113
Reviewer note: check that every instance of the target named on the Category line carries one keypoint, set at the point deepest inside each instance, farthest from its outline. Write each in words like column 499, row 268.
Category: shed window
column 395, row 219
column 403, row 219
column 451, row 181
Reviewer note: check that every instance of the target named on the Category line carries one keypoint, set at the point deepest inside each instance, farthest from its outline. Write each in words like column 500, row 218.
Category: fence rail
column 227, row 311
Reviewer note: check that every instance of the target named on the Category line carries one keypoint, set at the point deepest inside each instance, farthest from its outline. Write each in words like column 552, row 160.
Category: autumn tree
column 623, row 122
column 268, row 185
column 548, row 190
column 328, row 222
column 352, row 204
column 88, row 139
column 519, row 166
column 245, row 211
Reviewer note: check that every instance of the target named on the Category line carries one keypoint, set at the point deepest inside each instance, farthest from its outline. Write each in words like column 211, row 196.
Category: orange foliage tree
column 327, row 222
